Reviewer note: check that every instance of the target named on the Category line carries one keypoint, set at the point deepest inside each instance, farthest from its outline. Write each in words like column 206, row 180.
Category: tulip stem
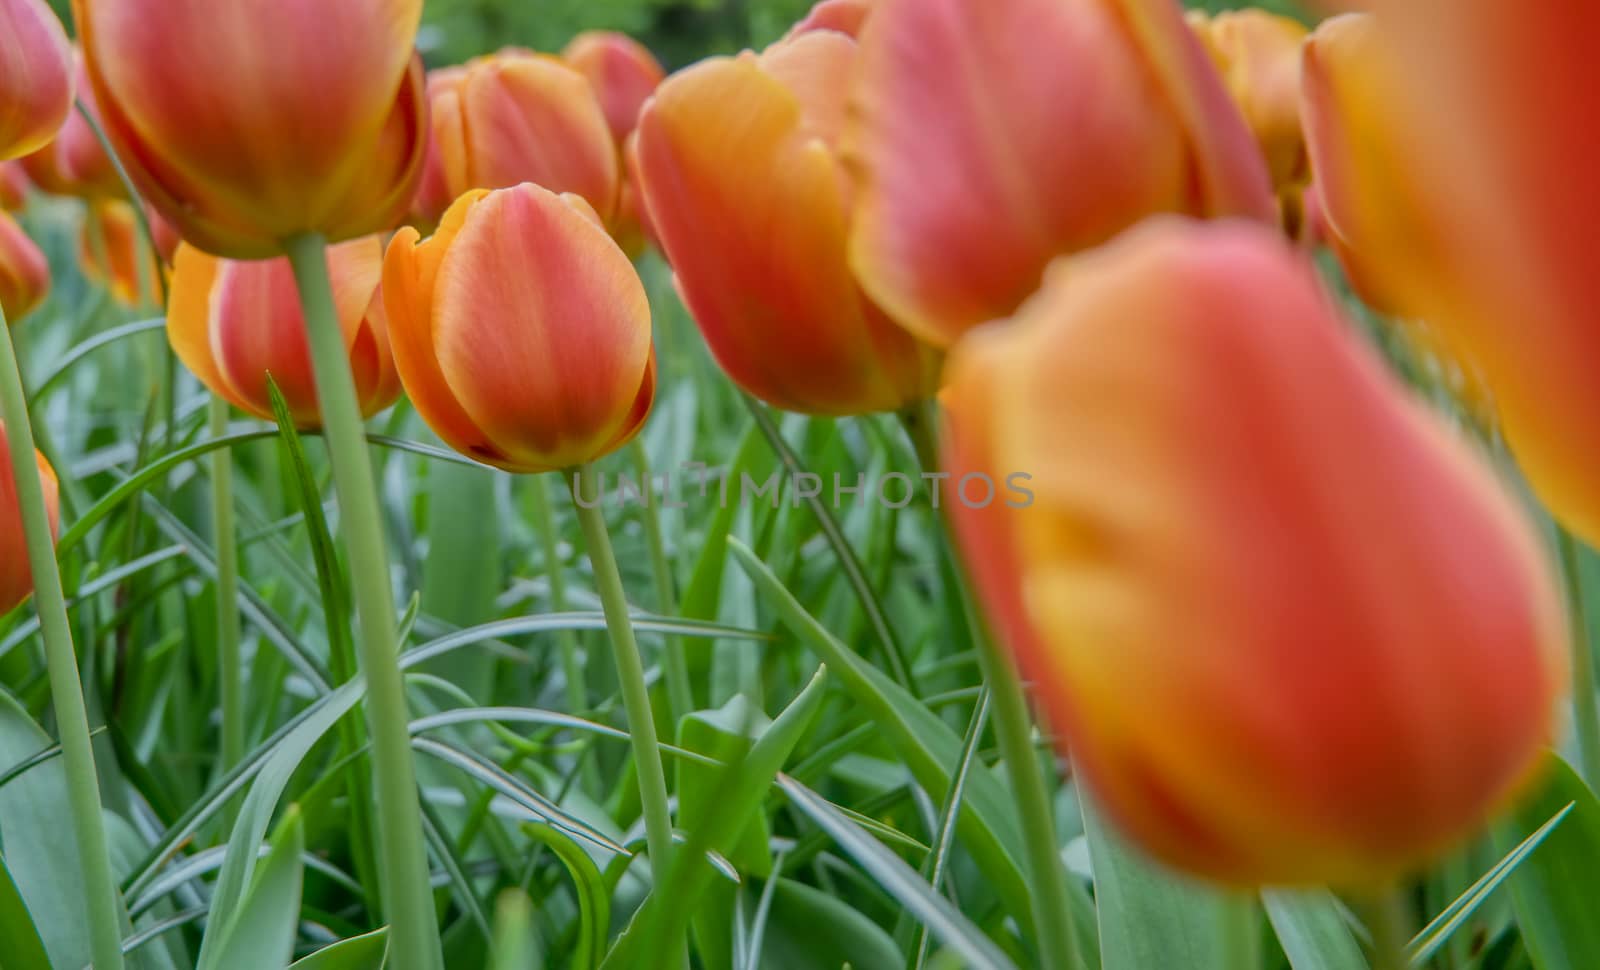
column 66, row 691
column 1387, row 920
column 230, row 670
column 585, row 486
column 413, row 923
column 1585, row 713
column 566, row 640
column 1052, row 906
column 680, row 694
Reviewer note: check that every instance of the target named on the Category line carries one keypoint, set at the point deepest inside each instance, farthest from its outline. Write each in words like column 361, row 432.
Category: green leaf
column 1554, row 889
column 23, row 948
column 1312, row 930
column 515, row 947
column 724, row 734
column 808, row 929
column 462, row 573
column 1150, row 917
column 594, row 897
column 364, row 952
column 260, row 934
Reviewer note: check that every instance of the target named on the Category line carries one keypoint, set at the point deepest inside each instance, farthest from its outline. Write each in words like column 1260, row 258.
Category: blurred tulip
column 515, row 117
column 844, row 16
column 1291, row 630
column 760, row 247
column 622, row 72
column 16, row 578
column 14, row 184
column 24, row 272
column 74, row 162
column 1258, row 54
column 521, row 330
column 113, row 253
column 1498, row 109
column 235, row 323
column 251, row 122
column 993, row 136
column 35, row 76
column 433, row 194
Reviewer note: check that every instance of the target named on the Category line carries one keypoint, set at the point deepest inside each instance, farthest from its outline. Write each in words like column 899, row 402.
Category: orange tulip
column 112, row 252
column 16, row 578
column 250, row 122
column 1258, row 54
column 35, row 76
column 844, row 16
column 1290, row 628
column 521, row 330
column 14, row 184
column 993, row 136
column 515, row 117
column 1496, row 122
column 622, row 72
column 74, row 162
column 24, row 272
column 760, row 247
column 433, row 191
column 234, row 324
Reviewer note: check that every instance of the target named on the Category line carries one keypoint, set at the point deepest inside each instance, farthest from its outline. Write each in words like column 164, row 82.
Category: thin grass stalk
column 680, row 694
column 230, row 668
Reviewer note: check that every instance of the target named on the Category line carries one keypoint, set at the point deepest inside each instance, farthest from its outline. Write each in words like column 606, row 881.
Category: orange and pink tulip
column 113, row 253
column 249, row 123
column 24, row 272
column 515, row 117
column 14, row 184
column 623, row 74
column 844, row 16
column 521, row 330
column 16, row 577
column 1290, row 628
column 760, row 248
column 74, row 162
column 35, row 76
column 234, row 324
column 991, row 136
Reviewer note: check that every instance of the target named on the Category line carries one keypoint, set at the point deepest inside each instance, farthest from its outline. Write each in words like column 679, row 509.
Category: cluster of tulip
column 1287, row 626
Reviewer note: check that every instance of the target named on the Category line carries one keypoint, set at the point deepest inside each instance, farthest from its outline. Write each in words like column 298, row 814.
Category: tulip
column 844, row 16
column 515, row 117
column 14, row 184
column 1290, row 629
column 760, row 248
column 234, row 324
column 433, row 191
column 992, row 136
column 1497, row 107
column 16, row 578
column 521, row 331
column 1258, row 55
column 112, row 252
column 250, row 123
column 75, row 162
column 622, row 72
column 35, row 76
column 24, row 272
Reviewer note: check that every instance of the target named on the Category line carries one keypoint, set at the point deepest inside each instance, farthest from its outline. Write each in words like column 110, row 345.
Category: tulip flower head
column 1290, row 628
column 251, row 122
column 16, row 577
column 760, row 248
column 234, row 324
column 14, row 184
column 75, row 162
column 516, row 117
column 24, row 272
column 991, row 136
column 521, row 330
column 35, row 76
column 622, row 72
column 112, row 252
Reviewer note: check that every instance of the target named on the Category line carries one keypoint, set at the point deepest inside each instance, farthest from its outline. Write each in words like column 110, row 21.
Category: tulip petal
column 622, row 72
column 16, row 577
column 35, row 74
column 24, row 272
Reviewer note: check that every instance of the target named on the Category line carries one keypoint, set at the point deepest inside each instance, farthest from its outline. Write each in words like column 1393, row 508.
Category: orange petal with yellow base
column 1258, row 54
column 521, row 331
column 1290, row 628
column 16, row 577
column 993, row 135
column 35, row 76
column 760, row 248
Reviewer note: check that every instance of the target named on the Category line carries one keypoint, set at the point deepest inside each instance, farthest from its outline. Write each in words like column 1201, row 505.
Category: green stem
column 230, row 671
column 1586, row 714
column 544, row 523
column 404, row 864
column 1052, row 908
column 1388, row 922
column 66, row 692
column 585, row 487
column 680, row 695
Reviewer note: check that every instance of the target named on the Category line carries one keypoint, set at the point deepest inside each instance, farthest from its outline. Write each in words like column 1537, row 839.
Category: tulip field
column 799, row 485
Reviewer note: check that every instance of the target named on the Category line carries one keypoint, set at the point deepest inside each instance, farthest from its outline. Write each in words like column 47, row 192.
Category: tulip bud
column 250, row 122
column 35, row 76
column 14, row 184
column 1291, row 630
column 521, row 330
column 760, row 247
column 16, row 577
column 74, row 162
column 993, row 135
column 112, row 252
column 515, row 117
column 844, row 16
column 24, row 272
column 622, row 72
column 1258, row 55
column 234, row 324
